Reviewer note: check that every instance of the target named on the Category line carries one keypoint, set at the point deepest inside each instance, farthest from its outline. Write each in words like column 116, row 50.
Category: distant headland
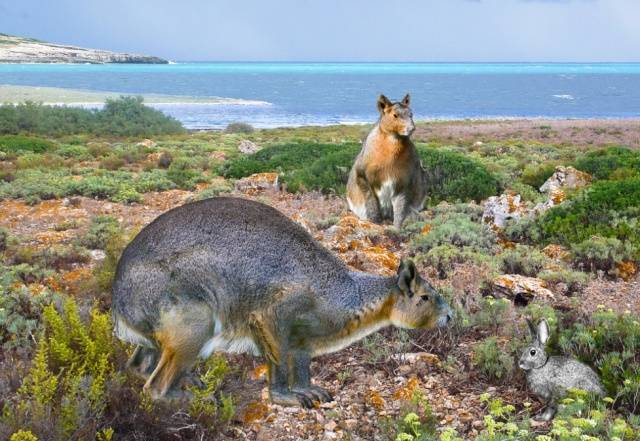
column 28, row 50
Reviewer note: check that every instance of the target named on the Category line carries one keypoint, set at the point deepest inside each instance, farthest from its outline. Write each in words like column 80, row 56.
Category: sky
column 338, row 30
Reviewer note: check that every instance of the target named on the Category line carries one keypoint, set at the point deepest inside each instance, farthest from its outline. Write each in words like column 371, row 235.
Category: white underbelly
column 222, row 341
column 385, row 197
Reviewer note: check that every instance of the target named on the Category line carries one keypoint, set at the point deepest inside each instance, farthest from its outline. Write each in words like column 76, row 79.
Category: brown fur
column 388, row 158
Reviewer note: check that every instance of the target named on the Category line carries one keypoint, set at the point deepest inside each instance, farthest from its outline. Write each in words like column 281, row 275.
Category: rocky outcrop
column 498, row 209
column 26, row 50
column 520, row 289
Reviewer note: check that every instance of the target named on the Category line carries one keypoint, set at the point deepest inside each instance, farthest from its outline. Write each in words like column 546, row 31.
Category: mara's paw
column 303, row 397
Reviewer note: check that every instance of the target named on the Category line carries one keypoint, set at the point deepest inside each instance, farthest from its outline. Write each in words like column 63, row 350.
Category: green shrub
column 573, row 281
column 452, row 177
column 77, row 152
column 458, row 230
column 325, row 167
column 607, row 209
column 524, row 230
column 101, row 230
column 20, row 143
column 524, row 260
column 182, row 173
column 239, row 127
column 610, row 342
column 492, row 360
column 603, row 164
column 536, row 175
column 445, row 257
column 493, row 313
column 601, row 254
column 124, row 116
column 4, row 239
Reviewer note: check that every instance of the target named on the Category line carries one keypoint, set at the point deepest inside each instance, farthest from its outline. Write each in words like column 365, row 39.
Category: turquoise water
column 329, row 93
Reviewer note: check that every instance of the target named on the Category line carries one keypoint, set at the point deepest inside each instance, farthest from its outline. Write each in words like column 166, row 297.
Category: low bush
column 536, row 175
column 607, row 163
column 452, row 177
column 611, row 343
column 567, row 281
column 601, row 254
column 124, row 116
column 325, row 167
column 444, row 258
column 609, row 209
column 239, row 127
column 492, row 314
column 493, row 361
column 20, row 143
column 101, row 230
column 458, row 230
column 522, row 259
column 182, row 173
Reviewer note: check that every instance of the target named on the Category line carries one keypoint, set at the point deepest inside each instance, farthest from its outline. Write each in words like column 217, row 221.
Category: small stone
column 330, row 426
column 97, row 255
column 248, row 147
column 350, row 423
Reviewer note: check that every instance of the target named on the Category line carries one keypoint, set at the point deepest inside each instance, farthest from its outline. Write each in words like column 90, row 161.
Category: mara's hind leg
column 300, row 362
column 182, row 335
column 143, row 361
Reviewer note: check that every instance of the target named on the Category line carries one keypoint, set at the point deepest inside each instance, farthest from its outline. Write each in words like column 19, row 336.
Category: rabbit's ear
column 543, row 332
column 532, row 329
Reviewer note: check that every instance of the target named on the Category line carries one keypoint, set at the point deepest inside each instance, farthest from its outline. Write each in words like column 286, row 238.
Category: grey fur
column 232, row 268
column 549, row 377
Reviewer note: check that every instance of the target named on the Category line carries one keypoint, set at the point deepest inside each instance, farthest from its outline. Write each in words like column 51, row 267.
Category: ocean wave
column 564, row 97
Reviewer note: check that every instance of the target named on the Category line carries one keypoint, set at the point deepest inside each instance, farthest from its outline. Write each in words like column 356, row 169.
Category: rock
column 350, row 423
column 147, row 143
column 520, row 289
column 556, row 252
column 412, row 357
column 565, row 178
column 497, row 209
column 97, row 254
column 25, row 50
column 478, row 143
column 259, row 181
column 330, row 426
column 248, row 147
column 218, row 156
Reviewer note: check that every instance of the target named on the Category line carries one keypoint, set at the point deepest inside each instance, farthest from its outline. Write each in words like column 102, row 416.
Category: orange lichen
column 627, row 269
column 254, row 411
column 259, row 372
column 375, row 399
column 406, row 392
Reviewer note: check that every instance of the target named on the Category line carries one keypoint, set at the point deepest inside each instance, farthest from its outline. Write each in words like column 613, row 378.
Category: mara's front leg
column 300, row 362
column 401, row 209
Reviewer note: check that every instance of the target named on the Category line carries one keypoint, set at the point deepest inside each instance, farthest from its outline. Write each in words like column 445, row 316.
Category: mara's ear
column 383, row 103
column 406, row 100
column 532, row 329
column 543, row 332
column 406, row 274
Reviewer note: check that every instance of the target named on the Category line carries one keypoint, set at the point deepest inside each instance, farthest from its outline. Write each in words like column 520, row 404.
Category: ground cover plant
column 71, row 200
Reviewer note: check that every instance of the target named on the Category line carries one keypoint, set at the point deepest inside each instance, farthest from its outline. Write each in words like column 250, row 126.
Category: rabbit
column 549, row 377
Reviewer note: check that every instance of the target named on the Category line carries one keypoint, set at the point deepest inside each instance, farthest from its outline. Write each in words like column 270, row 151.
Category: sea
column 298, row 94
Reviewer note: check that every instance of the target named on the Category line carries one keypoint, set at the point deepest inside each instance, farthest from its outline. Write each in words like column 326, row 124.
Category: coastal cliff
column 26, row 50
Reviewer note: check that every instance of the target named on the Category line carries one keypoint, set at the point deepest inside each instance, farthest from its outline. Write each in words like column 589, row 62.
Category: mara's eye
column 532, row 352
column 425, row 298
column 395, row 115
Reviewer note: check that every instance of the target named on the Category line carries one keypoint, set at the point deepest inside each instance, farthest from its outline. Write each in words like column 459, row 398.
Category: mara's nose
column 448, row 318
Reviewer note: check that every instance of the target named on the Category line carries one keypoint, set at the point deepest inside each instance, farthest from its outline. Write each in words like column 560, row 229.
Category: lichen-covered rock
column 556, row 252
column 498, row 209
column 520, row 289
column 259, row 181
column 565, row 178
column 147, row 143
column 248, row 147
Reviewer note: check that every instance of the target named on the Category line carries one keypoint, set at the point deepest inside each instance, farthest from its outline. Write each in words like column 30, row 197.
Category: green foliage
column 23, row 435
column 118, row 186
column 302, row 165
column 204, row 403
column 101, row 230
column 182, row 173
column 20, row 310
column 325, row 167
column 574, row 281
column 215, row 189
column 601, row 254
column 124, row 116
column 522, row 259
column 66, row 384
column 610, row 342
column 20, row 143
column 239, row 127
column 104, row 272
column 607, row 163
column 458, row 230
column 453, row 177
column 536, row 175
column 446, row 257
column 493, row 313
column 492, row 360
column 607, row 209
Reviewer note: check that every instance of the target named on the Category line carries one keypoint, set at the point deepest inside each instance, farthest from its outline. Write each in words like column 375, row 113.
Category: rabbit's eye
column 532, row 352
column 425, row 298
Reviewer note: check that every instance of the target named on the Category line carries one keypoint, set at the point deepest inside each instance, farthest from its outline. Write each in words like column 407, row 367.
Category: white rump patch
column 126, row 333
column 225, row 343
column 358, row 210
